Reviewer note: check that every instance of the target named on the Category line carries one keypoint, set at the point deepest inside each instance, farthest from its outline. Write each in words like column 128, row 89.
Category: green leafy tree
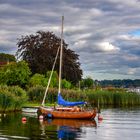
column 66, row 84
column 81, row 84
column 7, row 58
column 88, row 82
column 38, row 79
column 54, row 79
column 15, row 74
column 39, row 51
column 120, row 83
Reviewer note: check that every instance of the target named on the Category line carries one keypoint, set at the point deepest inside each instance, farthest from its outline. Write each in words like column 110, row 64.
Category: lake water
column 117, row 124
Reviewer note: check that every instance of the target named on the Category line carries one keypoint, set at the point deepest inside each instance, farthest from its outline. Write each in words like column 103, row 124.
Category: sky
column 104, row 33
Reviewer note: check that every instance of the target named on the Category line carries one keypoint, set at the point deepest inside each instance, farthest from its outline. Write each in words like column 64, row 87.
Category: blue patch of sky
column 135, row 32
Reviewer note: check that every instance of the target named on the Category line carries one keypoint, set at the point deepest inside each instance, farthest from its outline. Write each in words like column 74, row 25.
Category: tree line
column 38, row 52
column 19, row 73
column 125, row 83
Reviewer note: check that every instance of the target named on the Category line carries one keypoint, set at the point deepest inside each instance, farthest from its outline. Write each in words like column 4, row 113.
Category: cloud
column 131, row 71
column 107, row 47
column 103, row 32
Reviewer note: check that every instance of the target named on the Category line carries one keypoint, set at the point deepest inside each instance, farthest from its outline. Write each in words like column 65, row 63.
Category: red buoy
column 100, row 117
column 24, row 120
column 41, row 117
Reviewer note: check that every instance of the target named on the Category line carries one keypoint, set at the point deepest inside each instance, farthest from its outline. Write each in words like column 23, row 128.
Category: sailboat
column 66, row 109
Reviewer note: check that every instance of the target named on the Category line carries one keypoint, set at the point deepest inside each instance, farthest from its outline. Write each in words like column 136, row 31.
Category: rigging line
column 46, row 91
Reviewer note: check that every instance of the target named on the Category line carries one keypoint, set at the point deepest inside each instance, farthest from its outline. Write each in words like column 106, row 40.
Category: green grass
column 14, row 98
column 32, row 104
column 11, row 98
column 116, row 98
column 105, row 97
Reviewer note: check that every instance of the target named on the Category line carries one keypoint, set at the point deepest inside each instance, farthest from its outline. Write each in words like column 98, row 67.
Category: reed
column 11, row 98
column 115, row 97
column 36, row 94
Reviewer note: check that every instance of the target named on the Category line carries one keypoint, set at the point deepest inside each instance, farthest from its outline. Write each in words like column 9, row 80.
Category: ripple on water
column 116, row 124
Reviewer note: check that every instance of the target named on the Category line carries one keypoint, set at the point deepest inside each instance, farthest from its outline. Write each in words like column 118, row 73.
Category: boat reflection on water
column 67, row 132
column 67, row 128
column 70, row 122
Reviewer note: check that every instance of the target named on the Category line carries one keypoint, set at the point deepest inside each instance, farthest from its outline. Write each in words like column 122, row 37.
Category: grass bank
column 14, row 98
column 104, row 97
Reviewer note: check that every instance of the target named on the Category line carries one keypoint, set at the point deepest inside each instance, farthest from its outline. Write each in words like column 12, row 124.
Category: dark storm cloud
column 98, row 30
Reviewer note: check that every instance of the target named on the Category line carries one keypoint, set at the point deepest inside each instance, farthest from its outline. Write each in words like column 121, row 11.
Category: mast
column 61, row 51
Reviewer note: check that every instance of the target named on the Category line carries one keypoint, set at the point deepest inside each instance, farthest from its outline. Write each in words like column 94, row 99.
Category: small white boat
column 29, row 110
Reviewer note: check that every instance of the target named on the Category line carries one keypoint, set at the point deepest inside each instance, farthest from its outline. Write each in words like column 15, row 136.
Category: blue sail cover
column 61, row 101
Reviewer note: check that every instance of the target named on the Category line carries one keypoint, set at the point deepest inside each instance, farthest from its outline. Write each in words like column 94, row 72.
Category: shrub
column 12, row 98
column 66, row 84
column 15, row 74
column 37, row 79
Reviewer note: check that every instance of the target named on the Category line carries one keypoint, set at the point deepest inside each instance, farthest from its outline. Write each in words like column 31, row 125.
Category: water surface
column 116, row 124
